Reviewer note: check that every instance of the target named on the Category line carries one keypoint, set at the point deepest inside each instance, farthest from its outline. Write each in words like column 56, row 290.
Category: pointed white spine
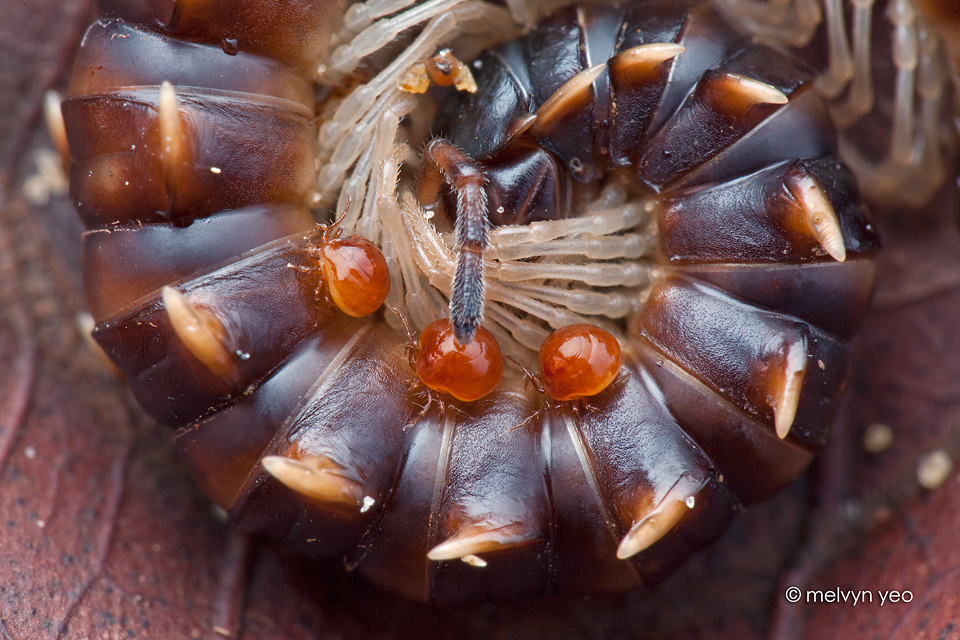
column 655, row 524
column 56, row 126
column 787, row 398
column 754, row 91
column 652, row 54
column 201, row 332
column 171, row 129
column 570, row 90
column 473, row 540
column 820, row 217
column 317, row 482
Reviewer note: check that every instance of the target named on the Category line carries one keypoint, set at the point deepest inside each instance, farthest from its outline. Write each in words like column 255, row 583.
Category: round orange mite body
column 467, row 372
column 577, row 361
column 356, row 274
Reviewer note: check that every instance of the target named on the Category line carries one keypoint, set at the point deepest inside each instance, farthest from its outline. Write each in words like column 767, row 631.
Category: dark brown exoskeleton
column 597, row 90
column 191, row 129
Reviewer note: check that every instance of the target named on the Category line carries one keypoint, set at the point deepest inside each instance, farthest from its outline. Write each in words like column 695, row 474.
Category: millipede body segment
column 639, row 173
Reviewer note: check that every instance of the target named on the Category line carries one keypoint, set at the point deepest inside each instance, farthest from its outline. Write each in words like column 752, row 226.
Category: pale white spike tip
column 315, row 482
column 788, row 397
column 822, row 218
column 473, row 540
column 664, row 517
column 756, row 91
column 653, row 53
column 200, row 331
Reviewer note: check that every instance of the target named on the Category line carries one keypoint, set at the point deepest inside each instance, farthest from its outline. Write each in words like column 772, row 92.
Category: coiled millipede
column 682, row 210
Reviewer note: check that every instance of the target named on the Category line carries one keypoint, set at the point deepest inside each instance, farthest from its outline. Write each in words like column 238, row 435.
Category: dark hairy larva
column 711, row 297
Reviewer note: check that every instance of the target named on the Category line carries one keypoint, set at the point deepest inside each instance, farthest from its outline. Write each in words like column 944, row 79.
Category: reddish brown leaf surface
column 103, row 536
column 908, row 377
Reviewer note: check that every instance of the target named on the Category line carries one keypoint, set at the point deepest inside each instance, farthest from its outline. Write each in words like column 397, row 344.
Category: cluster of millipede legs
column 913, row 168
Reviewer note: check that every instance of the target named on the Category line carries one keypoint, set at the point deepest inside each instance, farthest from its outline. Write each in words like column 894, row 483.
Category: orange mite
column 356, row 274
column 467, row 372
column 577, row 361
column 443, row 68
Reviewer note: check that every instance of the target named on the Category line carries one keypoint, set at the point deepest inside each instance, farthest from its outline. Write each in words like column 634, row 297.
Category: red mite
column 355, row 273
column 578, row 361
column 467, row 372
